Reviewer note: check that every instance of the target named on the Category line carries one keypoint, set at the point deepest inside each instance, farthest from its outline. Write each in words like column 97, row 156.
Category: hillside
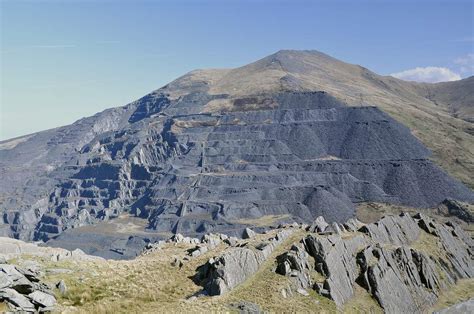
column 397, row 264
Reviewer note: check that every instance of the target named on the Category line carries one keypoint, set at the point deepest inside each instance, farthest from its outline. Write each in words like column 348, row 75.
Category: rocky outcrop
column 382, row 257
column 223, row 273
column 23, row 291
column 295, row 264
column 335, row 259
column 451, row 207
column 402, row 280
column 12, row 248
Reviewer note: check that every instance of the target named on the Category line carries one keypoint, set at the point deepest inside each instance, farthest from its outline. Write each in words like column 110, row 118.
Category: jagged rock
column 335, row 228
column 248, row 233
column 463, row 211
column 19, row 282
column 295, row 264
column 397, row 230
column 61, row 286
column 232, row 241
column 22, row 290
column 319, row 225
column 221, row 274
column 402, row 280
column 336, row 259
column 16, row 300
column 42, row 300
column 353, row 224
column 459, row 247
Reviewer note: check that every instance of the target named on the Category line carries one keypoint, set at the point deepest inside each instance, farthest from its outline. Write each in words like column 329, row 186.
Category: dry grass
column 462, row 291
column 267, row 220
column 149, row 284
column 362, row 302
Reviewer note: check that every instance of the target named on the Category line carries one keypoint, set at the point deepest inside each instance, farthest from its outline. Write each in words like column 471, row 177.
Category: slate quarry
column 297, row 155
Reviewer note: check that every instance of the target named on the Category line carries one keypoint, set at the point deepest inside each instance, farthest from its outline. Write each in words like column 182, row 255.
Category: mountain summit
column 291, row 137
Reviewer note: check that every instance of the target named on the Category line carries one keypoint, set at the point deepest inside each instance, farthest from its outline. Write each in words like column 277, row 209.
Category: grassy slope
column 150, row 284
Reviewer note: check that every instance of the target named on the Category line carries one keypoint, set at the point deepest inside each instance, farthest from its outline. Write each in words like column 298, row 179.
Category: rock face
column 190, row 159
column 223, row 273
column 380, row 258
column 22, row 290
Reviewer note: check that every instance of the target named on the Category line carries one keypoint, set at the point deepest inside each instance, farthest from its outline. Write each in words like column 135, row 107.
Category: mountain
column 293, row 136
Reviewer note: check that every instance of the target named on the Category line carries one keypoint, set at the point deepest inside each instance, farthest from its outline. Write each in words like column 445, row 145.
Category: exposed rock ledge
column 404, row 262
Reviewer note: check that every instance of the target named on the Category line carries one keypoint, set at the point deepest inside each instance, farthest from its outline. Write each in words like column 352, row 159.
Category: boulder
column 61, row 286
column 319, row 225
column 16, row 300
column 245, row 307
column 43, row 300
column 295, row 264
column 248, row 233
column 397, row 230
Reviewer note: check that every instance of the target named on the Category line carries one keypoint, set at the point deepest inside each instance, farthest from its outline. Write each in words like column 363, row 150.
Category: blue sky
column 63, row 60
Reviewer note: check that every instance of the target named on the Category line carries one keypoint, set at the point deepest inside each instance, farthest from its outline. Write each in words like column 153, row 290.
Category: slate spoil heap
column 297, row 155
column 404, row 262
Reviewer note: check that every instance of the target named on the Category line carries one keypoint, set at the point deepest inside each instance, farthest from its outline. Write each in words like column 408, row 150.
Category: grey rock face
column 295, row 264
column 336, row 259
column 319, row 225
column 402, row 281
column 379, row 258
column 223, row 273
column 397, row 230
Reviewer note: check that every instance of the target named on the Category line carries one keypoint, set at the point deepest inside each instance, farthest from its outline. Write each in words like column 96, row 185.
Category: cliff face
column 216, row 148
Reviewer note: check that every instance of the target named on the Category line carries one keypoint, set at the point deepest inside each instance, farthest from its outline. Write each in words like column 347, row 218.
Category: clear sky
column 63, row 60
